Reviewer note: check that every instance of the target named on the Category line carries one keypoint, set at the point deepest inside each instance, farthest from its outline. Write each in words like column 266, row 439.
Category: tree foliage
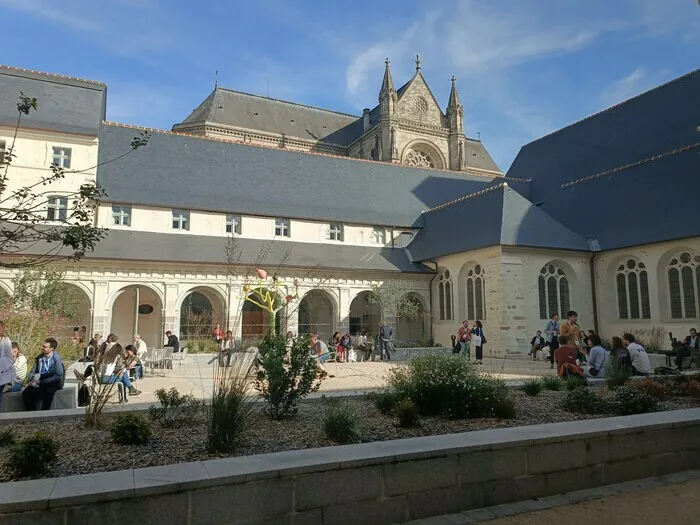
column 25, row 227
column 395, row 299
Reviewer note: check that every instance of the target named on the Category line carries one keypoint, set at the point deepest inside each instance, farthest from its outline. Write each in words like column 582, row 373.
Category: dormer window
column 233, row 224
column 181, row 220
column 282, row 228
column 335, row 232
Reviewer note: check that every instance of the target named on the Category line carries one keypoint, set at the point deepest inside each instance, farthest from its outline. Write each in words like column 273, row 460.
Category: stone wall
column 373, row 483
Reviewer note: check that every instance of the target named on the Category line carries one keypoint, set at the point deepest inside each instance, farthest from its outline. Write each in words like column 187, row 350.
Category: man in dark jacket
column 46, row 378
column 173, row 341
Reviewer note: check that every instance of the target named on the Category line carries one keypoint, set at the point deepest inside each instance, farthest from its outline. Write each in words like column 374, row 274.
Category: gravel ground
column 86, row 451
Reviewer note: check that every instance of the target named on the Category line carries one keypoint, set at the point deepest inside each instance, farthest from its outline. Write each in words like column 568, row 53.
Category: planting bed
column 84, row 451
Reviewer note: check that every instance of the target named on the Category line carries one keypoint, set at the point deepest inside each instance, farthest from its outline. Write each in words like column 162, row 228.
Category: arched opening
column 137, row 310
column 255, row 321
column 77, row 313
column 411, row 325
column 317, row 314
column 365, row 315
column 422, row 154
column 200, row 311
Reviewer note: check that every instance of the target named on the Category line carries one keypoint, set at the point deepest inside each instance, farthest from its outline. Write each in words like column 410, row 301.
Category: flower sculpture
column 266, row 293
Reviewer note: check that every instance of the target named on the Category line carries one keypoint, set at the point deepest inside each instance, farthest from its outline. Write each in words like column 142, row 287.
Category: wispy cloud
column 631, row 85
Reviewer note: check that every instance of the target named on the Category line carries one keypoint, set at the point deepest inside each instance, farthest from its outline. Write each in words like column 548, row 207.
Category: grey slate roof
column 202, row 174
column 143, row 246
column 650, row 201
column 243, row 110
column 496, row 216
column 64, row 104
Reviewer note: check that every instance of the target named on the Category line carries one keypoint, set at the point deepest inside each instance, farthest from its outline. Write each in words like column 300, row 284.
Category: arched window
column 632, row 290
column 476, row 298
column 418, row 158
column 553, row 287
column 445, row 296
column 684, row 285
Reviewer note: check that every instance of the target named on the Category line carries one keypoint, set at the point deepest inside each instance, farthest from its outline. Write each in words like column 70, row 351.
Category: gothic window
column 684, row 285
column 421, row 105
column 476, row 295
column 632, row 290
column 553, row 287
column 419, row 159
column 445, row 296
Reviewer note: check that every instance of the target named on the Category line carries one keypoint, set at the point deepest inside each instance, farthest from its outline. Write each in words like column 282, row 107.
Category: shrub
column 130, row 429
column 340, row 424
column 584, row 401
column 504, row 408
column 551, row 382
column 283, row 378
column 175, row 409
column 688, row 388
column 231, row 410
column 201, row 346
column 574, row 382
column 32, row 456
column 7, row 437
column 627, row 400
column 532, row 387
column 407, row 413
column 384, row 400
column 617, row 373
column 651, row 387
column 447, row 386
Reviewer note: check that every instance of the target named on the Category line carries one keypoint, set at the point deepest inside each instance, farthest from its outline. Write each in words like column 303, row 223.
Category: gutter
column 430, row 294
column 594, row 296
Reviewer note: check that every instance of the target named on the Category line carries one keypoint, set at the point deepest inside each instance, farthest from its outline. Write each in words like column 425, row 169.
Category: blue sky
column 524, row 68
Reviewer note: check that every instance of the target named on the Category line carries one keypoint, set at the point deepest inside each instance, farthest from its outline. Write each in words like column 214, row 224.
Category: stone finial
column 417, row 62
column 454, row 80
column 387, row 62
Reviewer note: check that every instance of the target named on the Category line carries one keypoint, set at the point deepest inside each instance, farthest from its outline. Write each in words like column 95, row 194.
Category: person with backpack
column 478, row 340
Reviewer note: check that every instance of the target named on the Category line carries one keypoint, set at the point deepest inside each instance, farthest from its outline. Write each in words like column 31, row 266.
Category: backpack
column 83, row 396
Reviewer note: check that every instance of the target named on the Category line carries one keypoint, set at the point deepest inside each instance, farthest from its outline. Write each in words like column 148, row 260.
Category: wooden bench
column 67, row 397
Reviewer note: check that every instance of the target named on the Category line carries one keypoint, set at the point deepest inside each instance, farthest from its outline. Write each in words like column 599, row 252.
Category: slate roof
column 65, row 104
column 188, row 172
column 243, row 110
column 498, row 215
column 627, row 176
column 130, row 245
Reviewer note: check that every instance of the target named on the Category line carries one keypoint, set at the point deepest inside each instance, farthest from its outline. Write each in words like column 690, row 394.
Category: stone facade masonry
column 372, row 483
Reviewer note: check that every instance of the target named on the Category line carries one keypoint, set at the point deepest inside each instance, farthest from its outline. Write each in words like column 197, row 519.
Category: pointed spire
column 417, row 63
column 454, row 96
column 388, row 82
column 216, row 81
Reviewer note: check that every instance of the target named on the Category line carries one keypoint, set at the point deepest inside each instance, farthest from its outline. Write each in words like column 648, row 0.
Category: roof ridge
column 466, row 197
column 630, row 165
column 56, row 75
column 288, row 102
column 614, row 106
column 490, row 175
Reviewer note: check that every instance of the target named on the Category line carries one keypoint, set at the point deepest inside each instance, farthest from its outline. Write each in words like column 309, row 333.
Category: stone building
column 598, row 216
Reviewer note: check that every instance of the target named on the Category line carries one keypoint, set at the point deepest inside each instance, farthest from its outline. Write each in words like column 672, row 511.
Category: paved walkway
column 197, row 375
column 669, row 499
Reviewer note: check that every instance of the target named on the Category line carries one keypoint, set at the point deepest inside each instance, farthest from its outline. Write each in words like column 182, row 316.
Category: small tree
column 24, row 222
column 396, row 300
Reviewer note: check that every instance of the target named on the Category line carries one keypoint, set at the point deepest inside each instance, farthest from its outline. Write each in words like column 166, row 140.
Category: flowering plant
column 266, row 294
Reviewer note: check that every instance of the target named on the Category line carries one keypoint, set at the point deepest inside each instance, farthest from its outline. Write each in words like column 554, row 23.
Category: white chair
column 181, row 357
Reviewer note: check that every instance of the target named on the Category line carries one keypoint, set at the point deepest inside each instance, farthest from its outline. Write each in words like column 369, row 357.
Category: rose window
column 419, row 159
column 421, row 105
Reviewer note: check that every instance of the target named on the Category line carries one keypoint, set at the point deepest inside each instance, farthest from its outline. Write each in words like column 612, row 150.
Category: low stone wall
column 373, row 483
column 65, row 398
column 404, row 354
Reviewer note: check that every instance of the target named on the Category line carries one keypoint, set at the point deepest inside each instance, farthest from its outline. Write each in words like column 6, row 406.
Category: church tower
column 455, row 125
column 387, row 109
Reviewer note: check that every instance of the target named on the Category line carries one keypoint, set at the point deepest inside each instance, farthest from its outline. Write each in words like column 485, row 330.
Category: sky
column 524, row 68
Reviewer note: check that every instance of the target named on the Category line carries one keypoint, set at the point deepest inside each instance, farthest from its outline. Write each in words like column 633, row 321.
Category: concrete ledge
column 66, row 398
column 380, row 482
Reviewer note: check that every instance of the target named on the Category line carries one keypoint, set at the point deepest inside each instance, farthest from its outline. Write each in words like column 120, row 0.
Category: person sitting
column 334, row 345
column 641, row 366
column 173, row 342
column 566, row 358
column 141, row 347
column 365, row 345
column 46, row 377
column 536, row 344
column 597, row 357
column 320, row 350
column 112, row 368
column 19, row 362
column 346, row 345
column 132, row 362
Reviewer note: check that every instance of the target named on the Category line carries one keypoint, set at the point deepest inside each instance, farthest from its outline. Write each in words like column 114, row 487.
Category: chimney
column 365, row 119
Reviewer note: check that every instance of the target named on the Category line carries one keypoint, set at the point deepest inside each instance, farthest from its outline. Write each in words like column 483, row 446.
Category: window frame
column 56, row 208
column 623, row 276
column 378, row 230
column 121, row 212
column 3, row 151
column 445, row 295
column 476, row 278
column 676, row 264
column 543, row 285
column 183, row 218
column 336, row 232
column 283, row 227
column 234, row 222
column 61, row 156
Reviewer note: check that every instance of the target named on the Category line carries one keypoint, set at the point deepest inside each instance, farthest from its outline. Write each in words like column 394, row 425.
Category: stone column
column 513, row 330
column 99, row 308
column 343, row 321
column 171, row 317
column 235, row 309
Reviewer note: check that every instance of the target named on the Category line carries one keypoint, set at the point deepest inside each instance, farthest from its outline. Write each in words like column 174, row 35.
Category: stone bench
column 67, row 397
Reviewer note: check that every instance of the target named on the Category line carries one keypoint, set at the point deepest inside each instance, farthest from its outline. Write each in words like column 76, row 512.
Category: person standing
column 384, row 337
column 46, row 378
column 478, row 340
column 218, row 334
column 551, row 332
column 572, row 330
column 227, row 347
column 465, row 337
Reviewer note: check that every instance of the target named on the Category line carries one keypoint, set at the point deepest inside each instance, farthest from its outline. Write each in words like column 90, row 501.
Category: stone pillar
column 99, row 308
column 343, row 321
column 234, row 320
column 513, row 332
column 171, row 317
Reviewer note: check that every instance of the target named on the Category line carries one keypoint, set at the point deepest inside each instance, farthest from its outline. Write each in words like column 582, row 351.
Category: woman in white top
column 20, row 362
column 7, row 368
